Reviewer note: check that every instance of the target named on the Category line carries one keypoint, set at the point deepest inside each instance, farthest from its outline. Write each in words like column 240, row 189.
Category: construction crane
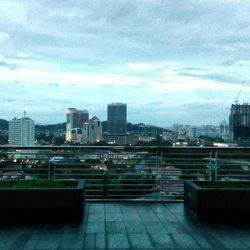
column 238, row 96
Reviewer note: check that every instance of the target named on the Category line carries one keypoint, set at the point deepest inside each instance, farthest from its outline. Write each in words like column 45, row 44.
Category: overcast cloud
column 171, row 61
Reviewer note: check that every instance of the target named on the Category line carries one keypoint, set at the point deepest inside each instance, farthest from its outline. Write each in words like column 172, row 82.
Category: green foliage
column 37, row 184
column 226, row 184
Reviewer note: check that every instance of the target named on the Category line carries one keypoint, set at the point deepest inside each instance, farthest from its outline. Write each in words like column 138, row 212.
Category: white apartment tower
column 92, row 130
column 21, row 132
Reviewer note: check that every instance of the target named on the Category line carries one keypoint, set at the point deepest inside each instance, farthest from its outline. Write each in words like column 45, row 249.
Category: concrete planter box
column 51, row 203
column 217, row 203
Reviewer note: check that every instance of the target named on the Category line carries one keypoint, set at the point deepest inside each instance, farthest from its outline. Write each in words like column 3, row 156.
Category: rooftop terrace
column 127, row 225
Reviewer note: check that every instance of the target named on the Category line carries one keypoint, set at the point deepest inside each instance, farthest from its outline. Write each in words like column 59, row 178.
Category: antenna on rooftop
column 24, row 113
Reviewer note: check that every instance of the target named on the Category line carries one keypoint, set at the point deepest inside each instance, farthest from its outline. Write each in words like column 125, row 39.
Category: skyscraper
column 75, row 119
column 92, row 130
column 117, row 119
column 239, row 121
column 21, row 132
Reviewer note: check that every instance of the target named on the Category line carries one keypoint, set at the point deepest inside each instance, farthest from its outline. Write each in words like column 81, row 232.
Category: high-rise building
column 75, row 119
column 239, row 121
column 224, row 131
column 92, row 130
column 191, row 133
column 117, row 119
column 21, row 132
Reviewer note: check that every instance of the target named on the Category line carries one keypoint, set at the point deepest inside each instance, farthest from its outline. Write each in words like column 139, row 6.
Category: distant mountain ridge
column 136, row 128
column 4, row 125
column 51, row 127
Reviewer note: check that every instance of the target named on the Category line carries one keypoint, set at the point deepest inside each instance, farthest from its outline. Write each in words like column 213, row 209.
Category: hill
column 133, row 128
column 137, row 128
column 4, row 125
column 51, row 127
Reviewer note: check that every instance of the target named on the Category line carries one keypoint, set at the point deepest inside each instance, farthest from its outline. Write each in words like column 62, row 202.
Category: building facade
column 224, row 131
column 76, row 135
column 191, row 133
column 117, row 119
column 21, row 132
column 74, row 120
column 92, row 130
column 239, row 121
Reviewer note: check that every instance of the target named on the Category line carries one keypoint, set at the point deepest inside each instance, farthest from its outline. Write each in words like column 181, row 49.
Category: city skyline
column 175, row 61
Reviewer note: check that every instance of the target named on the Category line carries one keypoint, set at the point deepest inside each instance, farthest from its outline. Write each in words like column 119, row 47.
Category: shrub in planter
column 41, row 198
column 218, row 200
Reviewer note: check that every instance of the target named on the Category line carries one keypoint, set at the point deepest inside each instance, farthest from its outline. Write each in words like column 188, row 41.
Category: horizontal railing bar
column 106, row 174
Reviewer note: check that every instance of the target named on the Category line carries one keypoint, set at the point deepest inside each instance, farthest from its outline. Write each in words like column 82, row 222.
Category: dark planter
column 217, row 203
column 49, row 203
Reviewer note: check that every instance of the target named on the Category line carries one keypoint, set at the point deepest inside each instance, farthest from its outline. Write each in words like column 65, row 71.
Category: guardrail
column 126, row 173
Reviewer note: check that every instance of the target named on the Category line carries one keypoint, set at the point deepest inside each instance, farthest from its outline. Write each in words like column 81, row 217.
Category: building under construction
column 239, row 122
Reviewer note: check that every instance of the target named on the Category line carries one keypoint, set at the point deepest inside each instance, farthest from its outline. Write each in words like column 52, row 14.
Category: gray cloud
column 130, row 30
column 197, row 39
column 54, row 84
column 9, row 99
column 8, row 65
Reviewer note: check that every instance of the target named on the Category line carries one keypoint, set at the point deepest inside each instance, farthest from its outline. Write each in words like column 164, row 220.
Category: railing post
column 213, row 166
column 49, row 155
column 105, row 185
column 51, row 168
column 216, row 166
column 158, row 177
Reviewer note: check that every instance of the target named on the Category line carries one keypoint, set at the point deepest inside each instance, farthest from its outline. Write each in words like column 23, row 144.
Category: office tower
column 92, row 130
column 178, row 127
column 224, row 131
column 117, row 119
column 21, row 132
column 75, row 119
column 239, row 121
column 191, row 133
column 224, row 127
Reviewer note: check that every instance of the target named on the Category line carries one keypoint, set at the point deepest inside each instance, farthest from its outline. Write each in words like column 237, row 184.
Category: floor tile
column 115, row 227
column 48, row 241
column 95, row 227
column 185, row 241
column 74, row 241
column 96, row 208
column 96, row 217
column 155, row 227
column 231, row 241
column 6, row 240
column 140, row 241
column 128, row 225
column 134, row 227
column 119, row 241
column 162, row 240
column 114, row 217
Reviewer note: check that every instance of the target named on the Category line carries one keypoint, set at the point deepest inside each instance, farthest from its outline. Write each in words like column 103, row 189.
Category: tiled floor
column 127, row 226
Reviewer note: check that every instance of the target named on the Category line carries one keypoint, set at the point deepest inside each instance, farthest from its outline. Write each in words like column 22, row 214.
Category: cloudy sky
column 171, row 61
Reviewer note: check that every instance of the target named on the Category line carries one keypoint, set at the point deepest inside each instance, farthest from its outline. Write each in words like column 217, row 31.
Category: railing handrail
column 155, row 171
column 128, row 148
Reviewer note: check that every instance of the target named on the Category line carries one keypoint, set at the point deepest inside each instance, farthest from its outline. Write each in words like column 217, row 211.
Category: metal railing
column 126, row 173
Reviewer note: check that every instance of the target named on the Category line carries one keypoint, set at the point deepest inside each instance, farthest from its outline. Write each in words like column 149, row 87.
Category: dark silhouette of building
column 239, row 122
column 117, row 119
